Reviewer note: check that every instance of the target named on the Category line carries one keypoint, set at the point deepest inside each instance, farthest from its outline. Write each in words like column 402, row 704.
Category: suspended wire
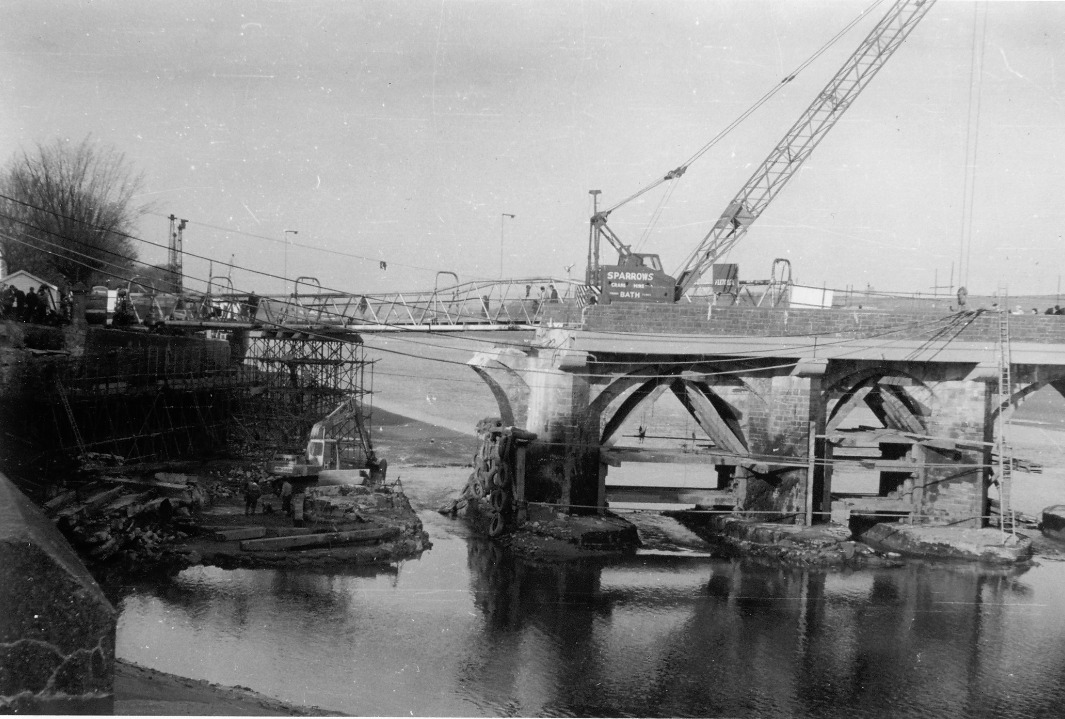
column 591, row 375
column 972, row 141
column 340, row 253
column 677, row 173
column 774, row 351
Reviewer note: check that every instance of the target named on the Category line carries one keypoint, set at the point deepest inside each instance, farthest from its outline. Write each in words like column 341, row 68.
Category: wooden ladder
column 70, row 415
column 1007, row 518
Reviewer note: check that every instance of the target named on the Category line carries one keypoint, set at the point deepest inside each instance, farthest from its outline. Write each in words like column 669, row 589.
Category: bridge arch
column 881, row 389
column 509, row 389
column 1058, row 383
column 715, row 416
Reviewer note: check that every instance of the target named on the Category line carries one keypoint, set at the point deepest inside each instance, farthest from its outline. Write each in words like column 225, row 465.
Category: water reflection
column 469, row 630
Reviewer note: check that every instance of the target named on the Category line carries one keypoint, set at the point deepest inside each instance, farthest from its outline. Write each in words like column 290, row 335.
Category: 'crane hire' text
column 637, row 276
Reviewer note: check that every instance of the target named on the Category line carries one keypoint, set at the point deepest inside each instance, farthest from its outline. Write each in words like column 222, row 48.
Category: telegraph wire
column 659, row 338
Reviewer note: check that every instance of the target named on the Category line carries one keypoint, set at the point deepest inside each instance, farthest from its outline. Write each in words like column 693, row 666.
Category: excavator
column 639, row 277
column 339, row 451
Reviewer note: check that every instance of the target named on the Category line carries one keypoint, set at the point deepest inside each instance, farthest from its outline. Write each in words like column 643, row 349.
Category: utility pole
column 591, row 269
column 502, row 219
column 176, row 254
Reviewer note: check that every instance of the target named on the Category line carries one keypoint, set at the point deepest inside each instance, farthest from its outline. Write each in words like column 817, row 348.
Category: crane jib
column 789, row 154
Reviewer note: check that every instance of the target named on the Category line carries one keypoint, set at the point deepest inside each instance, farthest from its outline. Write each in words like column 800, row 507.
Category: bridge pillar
column 954, row 490
column 781, row 414
column 548, row 392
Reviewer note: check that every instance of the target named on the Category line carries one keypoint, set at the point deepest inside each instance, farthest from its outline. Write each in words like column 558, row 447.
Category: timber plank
column 317, row 540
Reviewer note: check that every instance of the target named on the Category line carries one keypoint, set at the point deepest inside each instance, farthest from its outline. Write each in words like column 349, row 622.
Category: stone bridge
column 776, row 391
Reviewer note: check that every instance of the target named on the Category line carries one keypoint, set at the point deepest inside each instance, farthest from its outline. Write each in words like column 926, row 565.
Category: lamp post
column 502, row 219
column 285, row 235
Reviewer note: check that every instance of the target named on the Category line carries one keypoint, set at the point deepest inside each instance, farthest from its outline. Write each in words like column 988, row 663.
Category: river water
column 468, row 631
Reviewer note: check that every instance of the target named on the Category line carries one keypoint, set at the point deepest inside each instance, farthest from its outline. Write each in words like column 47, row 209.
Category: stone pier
column 795, row 403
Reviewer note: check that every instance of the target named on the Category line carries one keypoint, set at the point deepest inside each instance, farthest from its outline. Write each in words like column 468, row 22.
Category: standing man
column 286, row 497
column 253, row 306
column 252, row 492
column 29, row 311
column 20, row 305
column 554, row 293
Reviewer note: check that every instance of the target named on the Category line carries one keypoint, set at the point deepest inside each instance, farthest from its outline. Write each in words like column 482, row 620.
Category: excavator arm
column 344, row 429
column 789, row 154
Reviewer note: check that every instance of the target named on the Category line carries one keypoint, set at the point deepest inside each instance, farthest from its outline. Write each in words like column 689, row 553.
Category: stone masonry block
column 57, row 629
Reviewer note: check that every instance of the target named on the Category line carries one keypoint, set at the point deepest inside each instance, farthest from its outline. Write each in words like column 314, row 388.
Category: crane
column 638, row 277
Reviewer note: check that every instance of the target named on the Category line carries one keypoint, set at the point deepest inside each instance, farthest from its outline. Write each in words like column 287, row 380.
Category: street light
column 502, row 219
column 285, row 235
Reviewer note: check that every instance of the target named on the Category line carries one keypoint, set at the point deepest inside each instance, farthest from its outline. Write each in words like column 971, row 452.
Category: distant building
column 25, row 281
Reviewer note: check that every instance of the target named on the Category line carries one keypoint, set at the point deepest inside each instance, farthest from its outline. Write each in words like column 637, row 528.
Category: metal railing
column 488, row 304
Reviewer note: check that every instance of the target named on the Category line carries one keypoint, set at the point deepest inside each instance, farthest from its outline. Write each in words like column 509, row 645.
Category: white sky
column 401, row 131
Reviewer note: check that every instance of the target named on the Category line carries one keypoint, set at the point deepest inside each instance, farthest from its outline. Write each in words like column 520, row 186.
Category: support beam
column 650, row 391
column 706, row 414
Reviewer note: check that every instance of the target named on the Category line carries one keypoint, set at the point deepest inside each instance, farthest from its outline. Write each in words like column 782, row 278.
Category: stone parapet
column 664, row 319
column 57, row 629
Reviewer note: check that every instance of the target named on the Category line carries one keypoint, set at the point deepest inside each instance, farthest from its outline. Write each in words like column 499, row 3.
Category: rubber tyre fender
column 498, row 477
column 498, row 500
column 496, row 526
column 478, row 489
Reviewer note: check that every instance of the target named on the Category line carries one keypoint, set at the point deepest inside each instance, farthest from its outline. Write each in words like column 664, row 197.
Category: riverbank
column 140, row 691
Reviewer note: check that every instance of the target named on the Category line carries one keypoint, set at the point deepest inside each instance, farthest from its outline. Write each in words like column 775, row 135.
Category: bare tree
column 66, row 211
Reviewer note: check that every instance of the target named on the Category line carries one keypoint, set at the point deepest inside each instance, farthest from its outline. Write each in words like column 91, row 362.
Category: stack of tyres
column 492, row 483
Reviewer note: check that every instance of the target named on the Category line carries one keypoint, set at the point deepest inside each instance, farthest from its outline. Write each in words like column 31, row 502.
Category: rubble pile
column 127, row 522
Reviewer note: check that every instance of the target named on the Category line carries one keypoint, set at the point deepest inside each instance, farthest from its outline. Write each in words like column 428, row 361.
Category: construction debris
column 168, row 521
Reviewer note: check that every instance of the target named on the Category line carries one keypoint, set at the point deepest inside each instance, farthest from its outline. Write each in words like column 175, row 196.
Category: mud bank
column 140, row 691
column 834, row 544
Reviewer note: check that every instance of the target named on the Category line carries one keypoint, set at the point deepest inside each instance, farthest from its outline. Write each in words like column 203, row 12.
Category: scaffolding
column 299, row 378
column 145, row 403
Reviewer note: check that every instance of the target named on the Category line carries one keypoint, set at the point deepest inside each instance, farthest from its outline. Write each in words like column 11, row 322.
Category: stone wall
column 57, row 629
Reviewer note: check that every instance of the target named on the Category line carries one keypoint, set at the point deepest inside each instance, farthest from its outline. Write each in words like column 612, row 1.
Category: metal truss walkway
column 492, row 306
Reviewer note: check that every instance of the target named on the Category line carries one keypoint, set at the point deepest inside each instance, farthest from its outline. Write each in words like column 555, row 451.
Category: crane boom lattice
column 789, row 154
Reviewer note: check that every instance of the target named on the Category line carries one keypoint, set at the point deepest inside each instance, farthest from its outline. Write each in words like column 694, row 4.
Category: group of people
column 35, row 306
column 548, row 294
column 253, row 491
column 1055, row 310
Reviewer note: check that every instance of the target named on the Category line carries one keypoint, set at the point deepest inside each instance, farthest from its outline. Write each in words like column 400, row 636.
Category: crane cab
column 636, row 278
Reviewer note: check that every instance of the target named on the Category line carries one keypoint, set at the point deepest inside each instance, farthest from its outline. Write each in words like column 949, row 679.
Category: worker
column 20, row 304
column 297, row 509
column 66, row 305
column 641, row 433
column 7, row 302
column 286, row 497
column 252, row 306
column 252, row 492
column 528, row 289
column 554, row 293
column 44, row 304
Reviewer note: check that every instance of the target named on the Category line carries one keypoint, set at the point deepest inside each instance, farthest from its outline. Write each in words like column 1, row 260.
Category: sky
column 405, row 132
